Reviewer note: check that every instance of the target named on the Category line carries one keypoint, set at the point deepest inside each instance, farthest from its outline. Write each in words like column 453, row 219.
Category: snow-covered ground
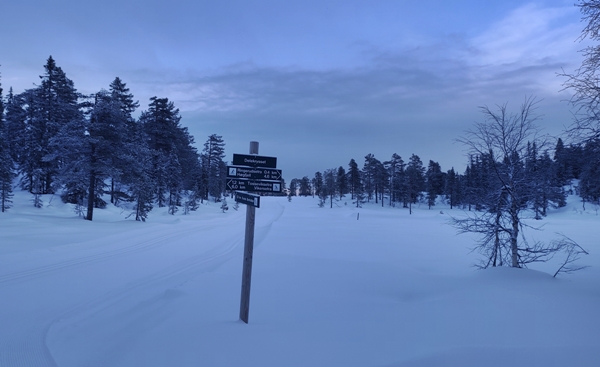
column 328, row 289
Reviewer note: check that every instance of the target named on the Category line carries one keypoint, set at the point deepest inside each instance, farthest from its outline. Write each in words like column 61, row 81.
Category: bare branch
column 573, row 253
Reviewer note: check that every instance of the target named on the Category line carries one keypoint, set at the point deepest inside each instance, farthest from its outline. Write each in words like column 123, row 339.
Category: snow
column 328, row 289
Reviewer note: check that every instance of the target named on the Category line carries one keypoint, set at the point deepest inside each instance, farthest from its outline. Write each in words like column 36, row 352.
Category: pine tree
column 6, row 162
column 434, row 182
column 57, row 105
column 124, row 98
column 213, row 167
column 450, row 188
column 589, row 182
column 305, row 188
column 354, row 179
column 34, row 118
column 165, row 136
column 396, row 168
column 415, row 180
column 341, row 180
column 87, row 149
column 173, row 182
column 329, row 178
column 381, row 180
column 317, row 184
column 126, row 124
column 561, row 162
column 368, row 175
column 293, row 190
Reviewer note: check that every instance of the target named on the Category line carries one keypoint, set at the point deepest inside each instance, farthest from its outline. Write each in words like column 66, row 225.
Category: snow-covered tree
column 126, row 125
column 165, row 136
column 213, row 167
column 7, row 174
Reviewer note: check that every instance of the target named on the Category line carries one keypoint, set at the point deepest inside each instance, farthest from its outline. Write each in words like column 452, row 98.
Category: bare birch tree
column 502, row 138
column 584, row 83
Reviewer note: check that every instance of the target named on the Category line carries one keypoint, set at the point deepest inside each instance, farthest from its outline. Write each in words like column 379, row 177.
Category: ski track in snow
column 107, row 255
column 31, row 350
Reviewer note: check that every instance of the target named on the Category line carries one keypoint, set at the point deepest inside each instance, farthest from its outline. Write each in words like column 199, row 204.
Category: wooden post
column 248, row 250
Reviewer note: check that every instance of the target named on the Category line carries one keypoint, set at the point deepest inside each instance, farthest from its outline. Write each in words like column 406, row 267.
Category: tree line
column 89, row 148
column 396, row 183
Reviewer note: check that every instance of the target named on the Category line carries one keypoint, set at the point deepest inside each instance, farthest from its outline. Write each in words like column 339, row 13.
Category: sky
column 316, row 83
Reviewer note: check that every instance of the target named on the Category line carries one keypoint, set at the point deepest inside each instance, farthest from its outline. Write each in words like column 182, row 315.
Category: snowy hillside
column 329, row 288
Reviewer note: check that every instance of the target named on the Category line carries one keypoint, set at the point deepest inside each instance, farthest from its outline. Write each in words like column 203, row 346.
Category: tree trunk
column 112, row 190
column 91, row 195
column 514, row 236
column 92, row 187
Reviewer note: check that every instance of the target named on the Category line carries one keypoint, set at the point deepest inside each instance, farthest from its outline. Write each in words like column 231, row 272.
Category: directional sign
column 254, row 161
column 253, row 185
column 254, row 173
column 248, row 199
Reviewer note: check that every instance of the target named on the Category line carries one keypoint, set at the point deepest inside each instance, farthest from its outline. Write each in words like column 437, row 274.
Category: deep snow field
column 389, row 289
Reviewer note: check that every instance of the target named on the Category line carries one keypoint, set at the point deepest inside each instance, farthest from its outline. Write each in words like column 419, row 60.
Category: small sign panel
column 254, row 161
column 254, row 173
column 248, row 199
column 253, row 185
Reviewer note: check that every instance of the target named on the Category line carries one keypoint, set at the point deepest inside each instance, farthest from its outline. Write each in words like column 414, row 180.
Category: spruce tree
column 15, row 125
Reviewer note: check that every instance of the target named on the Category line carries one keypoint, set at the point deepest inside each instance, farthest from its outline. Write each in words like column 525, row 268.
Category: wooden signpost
column 255, row 174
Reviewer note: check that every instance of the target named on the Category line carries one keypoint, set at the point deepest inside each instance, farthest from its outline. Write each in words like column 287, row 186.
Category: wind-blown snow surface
column 388, row 289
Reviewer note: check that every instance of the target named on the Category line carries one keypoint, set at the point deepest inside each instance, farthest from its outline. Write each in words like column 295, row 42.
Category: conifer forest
column 90, row 149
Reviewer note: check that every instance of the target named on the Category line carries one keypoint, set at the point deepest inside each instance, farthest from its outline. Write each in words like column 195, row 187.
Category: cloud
column 527, row 47
column 530, row 34
column 332, row 84
column 411, row 100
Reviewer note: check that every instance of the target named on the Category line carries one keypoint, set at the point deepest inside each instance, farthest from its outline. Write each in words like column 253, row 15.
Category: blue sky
column 315, row 82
